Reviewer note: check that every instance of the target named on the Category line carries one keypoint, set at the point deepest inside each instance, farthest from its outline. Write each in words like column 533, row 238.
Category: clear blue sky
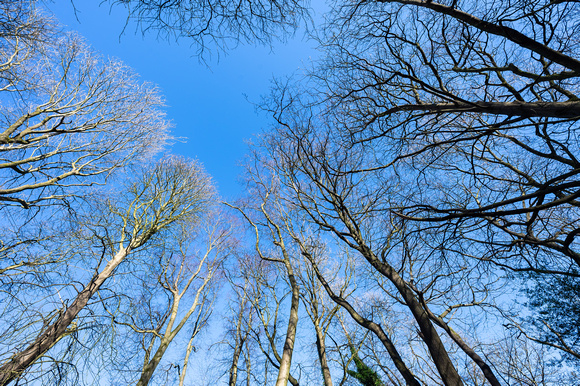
column 206, row 102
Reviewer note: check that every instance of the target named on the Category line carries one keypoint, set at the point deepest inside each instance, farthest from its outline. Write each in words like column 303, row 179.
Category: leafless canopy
column 69, row 116
column 217, row 21
column 440, row 141
column 472, row 106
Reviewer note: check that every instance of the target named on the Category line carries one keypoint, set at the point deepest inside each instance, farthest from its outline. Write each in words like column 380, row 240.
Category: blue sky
column 209, row 103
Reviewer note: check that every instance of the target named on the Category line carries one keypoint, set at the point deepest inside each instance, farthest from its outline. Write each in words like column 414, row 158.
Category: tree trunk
column 487, row 371
column 238, row 348
column 234, row 368
column 150, row 367
column 284, row 371
column 186, row 360
column 20, row 361
column 368, row 324
column 429, row 335
column 321, row 347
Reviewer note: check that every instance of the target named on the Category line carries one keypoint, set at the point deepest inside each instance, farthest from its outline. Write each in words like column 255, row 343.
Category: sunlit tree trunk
column 171, row 190
column 286, row 361
column 12, row 369
column 240, row 341
column 188, row 351
column 321, row 348
column 171, row 331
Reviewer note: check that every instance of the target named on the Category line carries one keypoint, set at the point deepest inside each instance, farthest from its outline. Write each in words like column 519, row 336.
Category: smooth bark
column 284, row 371
column 321, row 349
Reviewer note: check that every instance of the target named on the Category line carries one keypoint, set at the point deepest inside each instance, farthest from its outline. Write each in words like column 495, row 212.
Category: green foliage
column 555, row 301
column 364, row 374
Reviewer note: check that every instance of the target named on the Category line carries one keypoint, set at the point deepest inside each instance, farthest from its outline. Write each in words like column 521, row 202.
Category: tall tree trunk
column 321, row 348
column 366, row 323
column 150, row 367
column 170, row 332
column 248, row 364
column 20, row 361
column 234, row 367
column 186, row 359
column 240, row 340
column 429, row 335
column 485, row 369
column 284, row 371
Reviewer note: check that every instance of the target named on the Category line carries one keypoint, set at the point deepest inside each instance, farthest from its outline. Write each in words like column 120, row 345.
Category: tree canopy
column 411, row 216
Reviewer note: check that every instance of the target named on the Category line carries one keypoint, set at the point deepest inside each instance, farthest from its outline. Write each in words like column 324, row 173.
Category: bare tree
column 265, row 218
column 475, row 108
column 268, row 296
column 69, row 116
column 192, row 275
column 321, row 312
column 450, row 123
column 243, row 317
column 310, row 253
column 218, row 22
column 176, row 295
column 325, row 181
column 171, row 192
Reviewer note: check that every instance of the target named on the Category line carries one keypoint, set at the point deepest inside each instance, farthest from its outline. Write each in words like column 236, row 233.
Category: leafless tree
column 180, row 299
column 171, row 192
column 243, row 326
column 475, row 109
column 268, row 296
column 264, row 217
column 315, row 168
column 69, row 116
column 321, row 311
column 451, row 126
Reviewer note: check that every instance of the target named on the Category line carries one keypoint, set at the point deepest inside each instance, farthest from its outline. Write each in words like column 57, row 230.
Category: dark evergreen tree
column 555, row 301
column 364, row 374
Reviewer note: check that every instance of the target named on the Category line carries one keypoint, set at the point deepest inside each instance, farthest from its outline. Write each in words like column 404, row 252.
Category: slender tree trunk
column 234, row 368
column 248, row 364
column 238, row 348
column 321, row 347
column 368, row 324
column 20, row 361
column 284, row 371
column 150, row 367
column 186, row 360
column 171, row 332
